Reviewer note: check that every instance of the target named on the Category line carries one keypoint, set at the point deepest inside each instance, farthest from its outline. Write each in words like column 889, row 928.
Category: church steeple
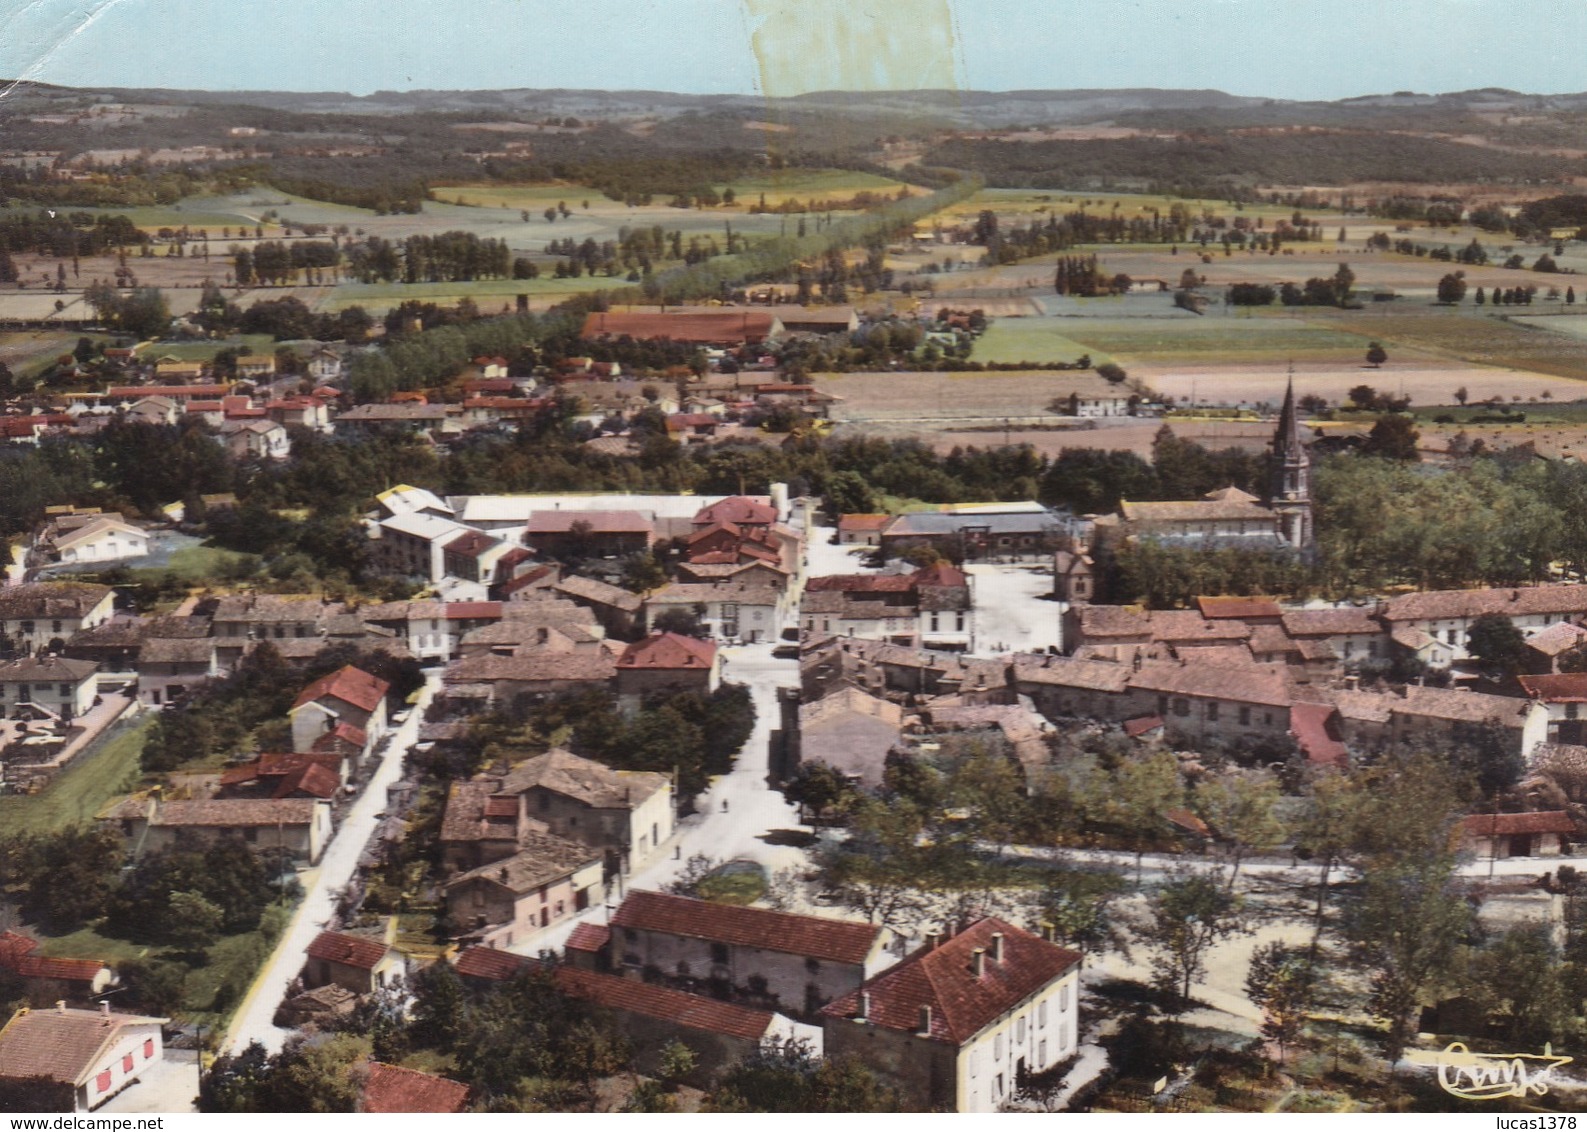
column 1289, row 474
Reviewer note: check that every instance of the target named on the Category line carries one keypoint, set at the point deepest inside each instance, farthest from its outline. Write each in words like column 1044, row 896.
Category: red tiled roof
column 348, row 950
column 863, row 522
column 138, row 392
column 66, row 970
column 470, row 544
column 489, row 963
column 473, row 611
column 313, row 780
column 839, row 941
column 14, row 946
column 1546, row 821
column 391, row 1088
column 1135, row 728
column 687, row 1010
column 943, row 978
column 667, row 651
column 600, row 522
column 589, row 937
column 1562, row 687
column 738, row 509
column 1316, row 730
column 1237, row 608
column 348, row 684
column 681, row 326
column 346, row 733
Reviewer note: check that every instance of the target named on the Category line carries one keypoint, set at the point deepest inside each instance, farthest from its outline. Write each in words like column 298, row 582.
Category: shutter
column 102, row 1082
column 126, row 1063
column 148, row 1048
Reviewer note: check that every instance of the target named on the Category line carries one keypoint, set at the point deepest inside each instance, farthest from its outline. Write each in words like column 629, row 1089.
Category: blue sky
column 1278, row 48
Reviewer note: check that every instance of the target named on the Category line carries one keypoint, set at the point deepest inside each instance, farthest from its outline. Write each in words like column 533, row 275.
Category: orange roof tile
column 348, row 684
column 690, row 1011
column 391, row 1088
column 839, row 941
column 944, row 979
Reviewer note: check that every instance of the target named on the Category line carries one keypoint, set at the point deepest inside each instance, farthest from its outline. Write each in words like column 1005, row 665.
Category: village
column 544, row 599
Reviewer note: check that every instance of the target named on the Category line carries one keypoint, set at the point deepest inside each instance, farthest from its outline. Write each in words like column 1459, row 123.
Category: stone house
column 957, row 1024
column 650, row 1016
column 348, row 697
column 795, row 964
column 668, row 663
column 1447, row 615
column 36, row 615
column 727, row 609
column 849, row 731
column 298, row 828
column 60, row 685
column 627, row 814
column 1564, row 694
column 509, row 901
column 170, row 667
column 1501, row 836
column 356, row 962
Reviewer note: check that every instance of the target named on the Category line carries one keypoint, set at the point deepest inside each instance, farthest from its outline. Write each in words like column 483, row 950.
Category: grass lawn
column 214, row 990
column 204, row 351
column 1012, row 340
column 94, row 777
column 194, row 564
column 808, row 184
column 86, row 943
column 733, row 884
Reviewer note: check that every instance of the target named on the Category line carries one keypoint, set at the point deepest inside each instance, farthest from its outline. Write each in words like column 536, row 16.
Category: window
column 1212, row 713
column 1041, row 1015
column 975, row 1063
column 1041, row 1053
column 997, row 1051
column 27, row 627
column 813, row 965
column 66, row 690
column 55, row 626
column 1181, row 707
column 1245, row 717
column 997, row 1086
column 1063, row 997
column 1019, row 1029
column 1570, row 711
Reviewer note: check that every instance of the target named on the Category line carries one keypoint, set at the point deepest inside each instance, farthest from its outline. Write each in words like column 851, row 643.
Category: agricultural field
column 27, row 351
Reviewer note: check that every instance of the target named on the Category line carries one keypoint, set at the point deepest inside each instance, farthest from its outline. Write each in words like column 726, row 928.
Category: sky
column 1293, row 49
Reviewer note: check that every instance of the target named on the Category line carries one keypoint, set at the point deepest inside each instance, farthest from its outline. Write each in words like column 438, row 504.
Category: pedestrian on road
column 724, row 805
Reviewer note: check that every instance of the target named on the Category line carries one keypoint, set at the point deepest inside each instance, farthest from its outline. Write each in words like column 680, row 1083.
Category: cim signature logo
column 1491, row 1076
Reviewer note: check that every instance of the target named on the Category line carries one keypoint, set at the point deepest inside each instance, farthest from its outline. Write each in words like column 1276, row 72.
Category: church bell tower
column 1289, row 476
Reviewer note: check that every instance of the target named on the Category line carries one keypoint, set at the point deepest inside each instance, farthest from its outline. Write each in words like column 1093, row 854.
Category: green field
column 196, row 564
column 1017, row 202
column 94, row 777
column 489, row 294
column 1169, row 339
column 795, row 184
column 204, row 351
column 1009, row 341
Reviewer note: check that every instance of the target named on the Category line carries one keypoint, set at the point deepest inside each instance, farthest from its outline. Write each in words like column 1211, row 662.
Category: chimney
column 933, row 940
column 925, row 1020
column 1353, row 683
column 865, row 1007
column 104, row 1008
column 60, row 1006
column 997, row 947
column 978, row 960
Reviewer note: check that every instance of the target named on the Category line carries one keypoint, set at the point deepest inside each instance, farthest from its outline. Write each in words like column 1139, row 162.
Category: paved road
column 753, row 809
column 253, row 1020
